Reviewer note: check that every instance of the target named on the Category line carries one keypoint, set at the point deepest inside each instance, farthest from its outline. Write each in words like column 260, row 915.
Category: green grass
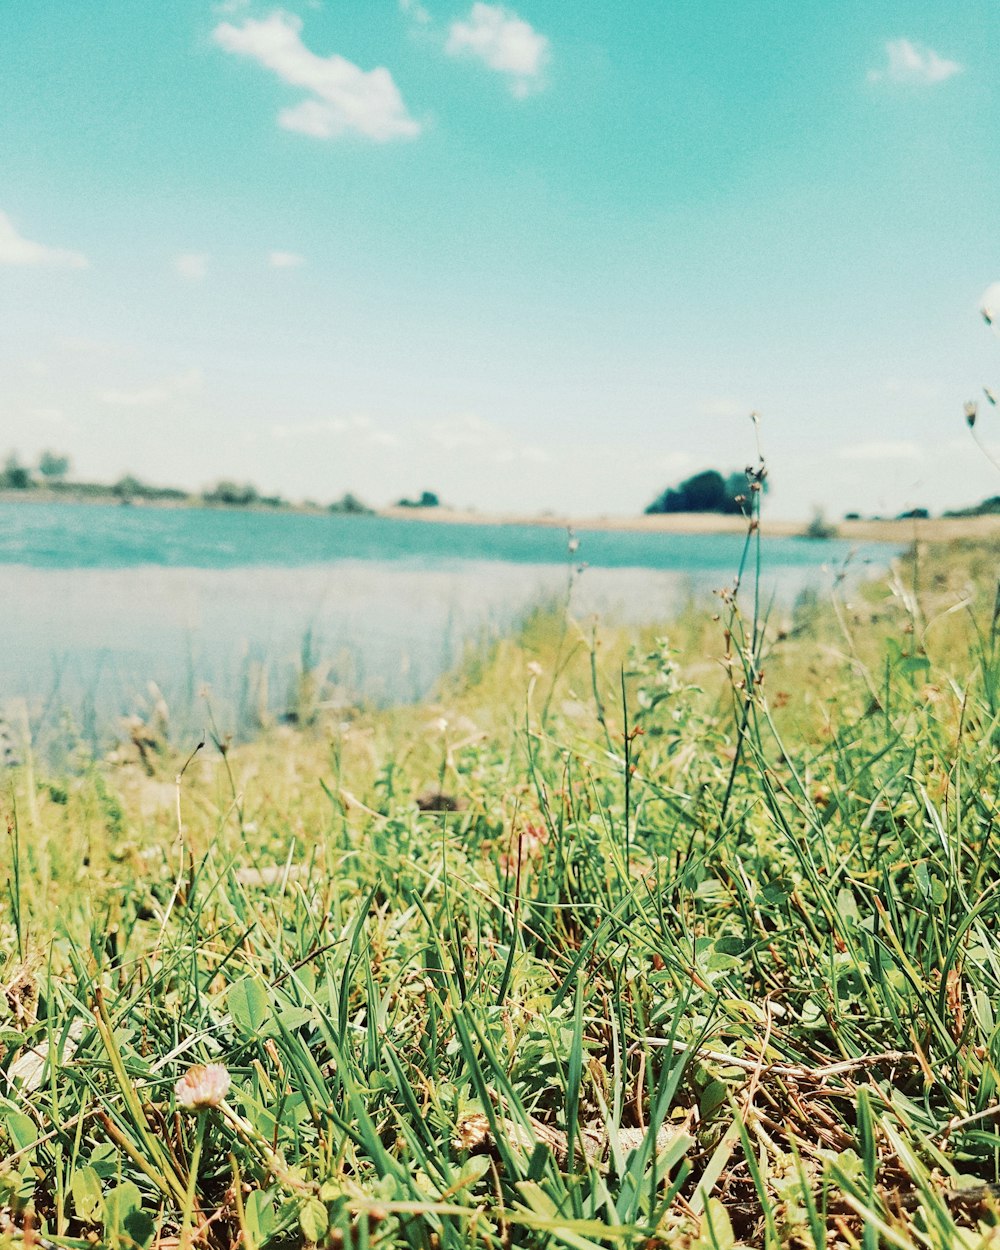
column 706, row 954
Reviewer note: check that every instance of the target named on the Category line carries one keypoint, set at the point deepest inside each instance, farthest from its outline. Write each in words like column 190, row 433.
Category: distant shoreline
column 934, row 529
column 900, row 531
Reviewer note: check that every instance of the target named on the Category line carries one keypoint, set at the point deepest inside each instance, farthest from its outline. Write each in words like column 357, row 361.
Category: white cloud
column 466, row 437
column 675, row 462
column 504, row 42
column 469, row 432
column 724, row 406
column 16, row 250
column 359, row 427
column 153, row 396
column 344, row 98
column 415, row 10
column 285, row 260
column 144, row 397
column 191, row 265
column 52, row 416
column 913, row 390
column 910, row 63
column 82, row 345
column 887, row 449
column 463, row 431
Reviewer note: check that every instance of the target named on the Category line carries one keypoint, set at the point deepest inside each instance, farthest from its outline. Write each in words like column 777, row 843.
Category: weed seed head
column 970, row 413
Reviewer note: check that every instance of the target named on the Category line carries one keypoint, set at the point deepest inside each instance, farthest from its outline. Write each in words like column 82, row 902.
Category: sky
column 537, row 257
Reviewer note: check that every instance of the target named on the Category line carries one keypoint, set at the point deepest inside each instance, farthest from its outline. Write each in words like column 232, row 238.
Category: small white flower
column 204, row 1085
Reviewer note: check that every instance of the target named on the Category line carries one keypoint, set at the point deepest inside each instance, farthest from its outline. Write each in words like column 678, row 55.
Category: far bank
column 898, row 531
column 901, row 532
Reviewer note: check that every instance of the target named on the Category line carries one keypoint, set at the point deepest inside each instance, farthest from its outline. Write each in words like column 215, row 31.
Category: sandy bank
column 933, row 530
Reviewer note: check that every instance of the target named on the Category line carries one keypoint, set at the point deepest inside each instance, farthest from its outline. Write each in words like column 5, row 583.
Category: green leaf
column 537, row 1199
column 313, row 1220
column 291, row 1018
column 983, row 1011
column 248, row 1005
column 718, row 1232
column 847, row 906
column 140, row 1226
column 905, row 662
column 22, row 1130
column 259, row 1212
column 473, row 1171
column 104, row 1160
column 85, row 1186
column 712, row 1097
column 120, row 1203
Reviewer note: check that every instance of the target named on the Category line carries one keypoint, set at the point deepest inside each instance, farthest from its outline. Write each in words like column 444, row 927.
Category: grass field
column 688, row 941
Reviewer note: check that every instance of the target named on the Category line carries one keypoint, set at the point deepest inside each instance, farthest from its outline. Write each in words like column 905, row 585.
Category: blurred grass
column 623, row 940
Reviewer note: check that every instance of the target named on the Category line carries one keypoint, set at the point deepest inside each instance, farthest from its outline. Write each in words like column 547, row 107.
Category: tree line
column 52, row 472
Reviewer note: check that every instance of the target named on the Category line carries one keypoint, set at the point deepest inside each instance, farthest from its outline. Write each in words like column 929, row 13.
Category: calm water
column 99, row 601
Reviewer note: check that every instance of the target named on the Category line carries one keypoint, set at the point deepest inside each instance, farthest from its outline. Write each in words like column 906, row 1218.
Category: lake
column 99, row 601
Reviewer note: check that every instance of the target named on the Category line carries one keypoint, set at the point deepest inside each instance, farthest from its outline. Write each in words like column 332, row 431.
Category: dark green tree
column 350, row 504
column 53, row 467
column 236, row 494
column 15, row 475
column 127, row 488
column 428, row 499
column 708, row 491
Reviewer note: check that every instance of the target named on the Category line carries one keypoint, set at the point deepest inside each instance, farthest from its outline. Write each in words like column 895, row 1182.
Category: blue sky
column 539, row 256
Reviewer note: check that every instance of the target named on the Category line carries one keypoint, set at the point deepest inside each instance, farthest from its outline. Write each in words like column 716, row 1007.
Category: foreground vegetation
column 693, row 942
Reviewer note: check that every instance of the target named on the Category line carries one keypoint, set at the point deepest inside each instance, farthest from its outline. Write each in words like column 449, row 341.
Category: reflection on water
column 92, row 639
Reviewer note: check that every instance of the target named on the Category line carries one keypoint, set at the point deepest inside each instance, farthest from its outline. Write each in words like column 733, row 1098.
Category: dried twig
column 791, row 1071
